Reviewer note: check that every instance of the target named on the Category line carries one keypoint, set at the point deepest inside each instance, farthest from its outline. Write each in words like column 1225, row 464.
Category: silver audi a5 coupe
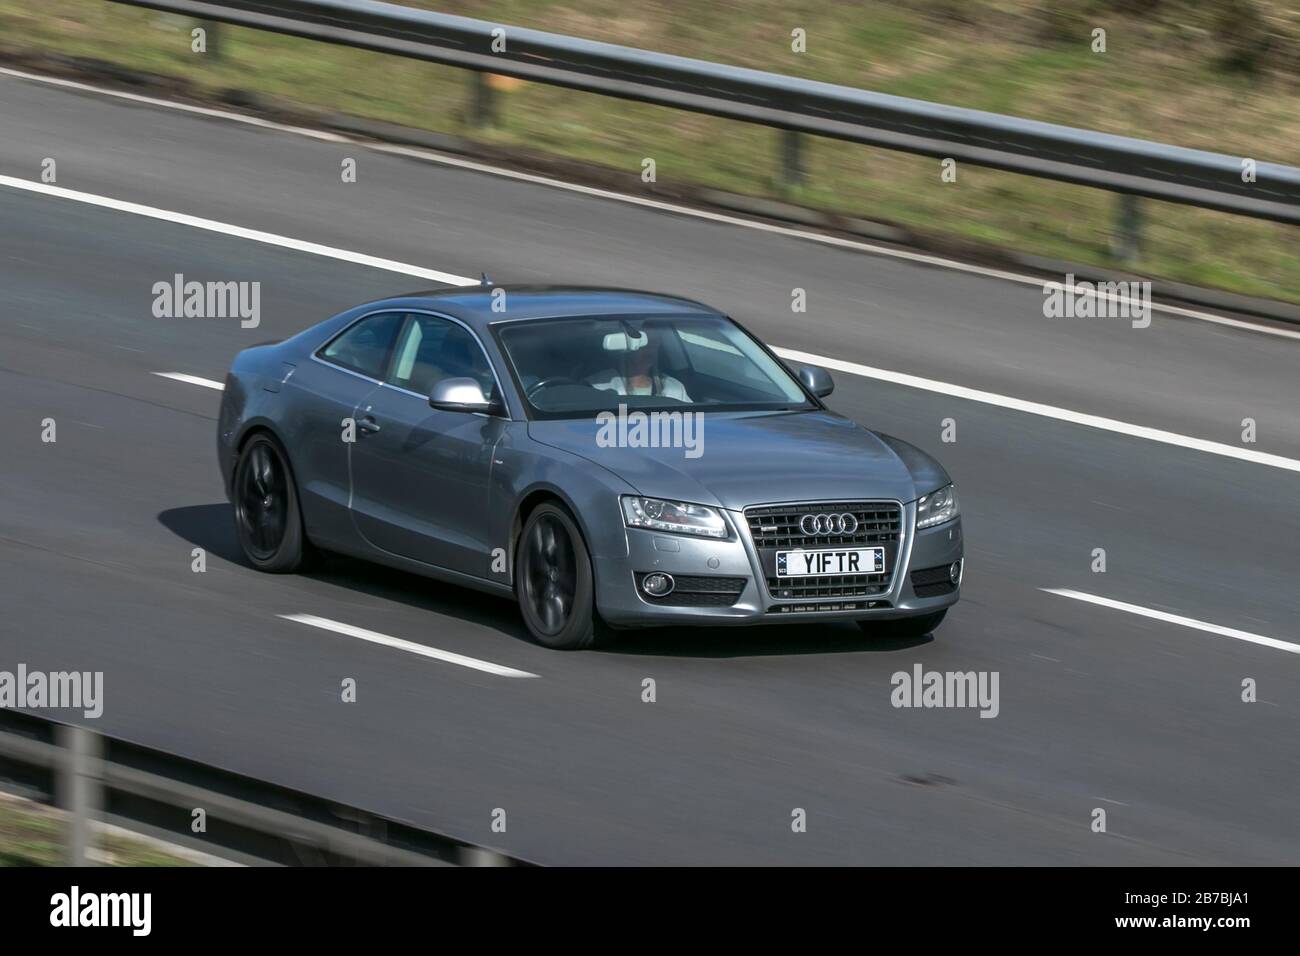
column 609, row 459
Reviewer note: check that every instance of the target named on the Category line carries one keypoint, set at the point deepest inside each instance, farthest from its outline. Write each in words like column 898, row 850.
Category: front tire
column 554, row 582
column 268, row 520
column 904, row 627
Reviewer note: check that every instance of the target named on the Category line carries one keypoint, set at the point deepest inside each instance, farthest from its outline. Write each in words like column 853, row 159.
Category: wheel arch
column 528, row 503
column 246, row 433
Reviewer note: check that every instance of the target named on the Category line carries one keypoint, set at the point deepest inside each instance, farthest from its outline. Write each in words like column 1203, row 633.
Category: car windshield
column 572, row 368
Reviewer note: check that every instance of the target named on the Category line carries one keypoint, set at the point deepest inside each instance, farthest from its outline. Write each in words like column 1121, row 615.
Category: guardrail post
column 1127, row 241
column 480, row 856
column 79, row 789
column 790, row 147
column 482, row 100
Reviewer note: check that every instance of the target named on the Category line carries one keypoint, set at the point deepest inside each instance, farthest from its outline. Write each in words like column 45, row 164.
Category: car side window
column 365, row 346
column 432, row 349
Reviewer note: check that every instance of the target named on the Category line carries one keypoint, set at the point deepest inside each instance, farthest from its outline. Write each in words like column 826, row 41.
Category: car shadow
column 212, row 528
column 761, row 640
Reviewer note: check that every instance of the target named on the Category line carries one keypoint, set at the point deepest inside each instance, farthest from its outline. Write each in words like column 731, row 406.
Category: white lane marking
column 375, row 637
column 239, row 232
column 1177, row 619
column 173, row 105
column 192, row 379
column 475, row 166
column 899, row 378
column 1047, row 411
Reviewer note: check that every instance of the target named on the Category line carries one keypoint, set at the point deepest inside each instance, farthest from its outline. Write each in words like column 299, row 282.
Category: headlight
column 677, row 516
column 936, row 507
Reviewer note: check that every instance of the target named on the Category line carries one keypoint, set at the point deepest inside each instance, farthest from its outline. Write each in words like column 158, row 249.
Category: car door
column 321, row 393
column 420, row 475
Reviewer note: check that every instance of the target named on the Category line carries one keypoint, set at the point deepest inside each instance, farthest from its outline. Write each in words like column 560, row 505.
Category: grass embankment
column 32, row 835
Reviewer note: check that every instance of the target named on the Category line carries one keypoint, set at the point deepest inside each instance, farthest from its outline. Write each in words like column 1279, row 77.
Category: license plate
column 802, row 564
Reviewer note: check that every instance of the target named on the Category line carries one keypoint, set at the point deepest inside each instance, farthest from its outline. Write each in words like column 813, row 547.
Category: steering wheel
column 548, row 382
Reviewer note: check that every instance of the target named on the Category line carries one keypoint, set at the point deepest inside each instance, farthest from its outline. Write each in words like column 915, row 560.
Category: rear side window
column 365, row 346
column 433, row 349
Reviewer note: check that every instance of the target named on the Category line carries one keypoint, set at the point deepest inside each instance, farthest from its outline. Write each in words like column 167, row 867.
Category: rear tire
column 554, row 582
column 268, row 520
column 904, row 627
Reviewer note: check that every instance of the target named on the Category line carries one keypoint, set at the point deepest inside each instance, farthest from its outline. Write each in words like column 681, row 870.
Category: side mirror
column 816, row 379
column 459, row 395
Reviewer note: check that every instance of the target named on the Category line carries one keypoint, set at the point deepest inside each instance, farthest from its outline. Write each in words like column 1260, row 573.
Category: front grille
column 932, row 582
column 778, row 526
column 828, row 585
column 698, row 590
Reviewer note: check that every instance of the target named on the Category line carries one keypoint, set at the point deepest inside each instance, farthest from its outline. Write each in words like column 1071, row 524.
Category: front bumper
column 718, row 565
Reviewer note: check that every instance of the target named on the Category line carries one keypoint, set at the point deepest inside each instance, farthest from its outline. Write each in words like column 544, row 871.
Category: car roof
column 473, row 304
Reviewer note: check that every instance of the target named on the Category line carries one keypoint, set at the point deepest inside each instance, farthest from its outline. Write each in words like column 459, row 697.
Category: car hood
column 758, row 457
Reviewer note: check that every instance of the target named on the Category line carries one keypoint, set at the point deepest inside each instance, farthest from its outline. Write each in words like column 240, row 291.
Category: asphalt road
column 1099, row 708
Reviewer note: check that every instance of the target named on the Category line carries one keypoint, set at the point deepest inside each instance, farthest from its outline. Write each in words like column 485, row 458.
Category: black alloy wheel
column 267, row 518
column 553, row 580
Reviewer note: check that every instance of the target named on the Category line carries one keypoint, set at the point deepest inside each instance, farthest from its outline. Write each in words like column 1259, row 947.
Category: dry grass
column 32, row 835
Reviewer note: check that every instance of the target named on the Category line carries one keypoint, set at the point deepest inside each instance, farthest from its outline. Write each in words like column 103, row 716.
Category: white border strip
column 1176, row 619
column 374, row 637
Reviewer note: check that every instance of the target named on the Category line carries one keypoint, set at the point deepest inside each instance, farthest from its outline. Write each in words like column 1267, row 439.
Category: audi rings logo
column 828, row 524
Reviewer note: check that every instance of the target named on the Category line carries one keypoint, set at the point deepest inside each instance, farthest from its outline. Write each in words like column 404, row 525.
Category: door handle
column 368, row 424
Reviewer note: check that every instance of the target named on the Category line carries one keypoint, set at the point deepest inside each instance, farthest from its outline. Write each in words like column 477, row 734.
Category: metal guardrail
column 1115, row 163
column 97, row 778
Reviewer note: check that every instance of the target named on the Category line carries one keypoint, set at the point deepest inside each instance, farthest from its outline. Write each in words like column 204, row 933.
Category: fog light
column 657, row 584
column 954, row 572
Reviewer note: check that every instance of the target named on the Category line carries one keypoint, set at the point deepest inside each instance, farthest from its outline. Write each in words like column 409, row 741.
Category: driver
column 639, row 373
